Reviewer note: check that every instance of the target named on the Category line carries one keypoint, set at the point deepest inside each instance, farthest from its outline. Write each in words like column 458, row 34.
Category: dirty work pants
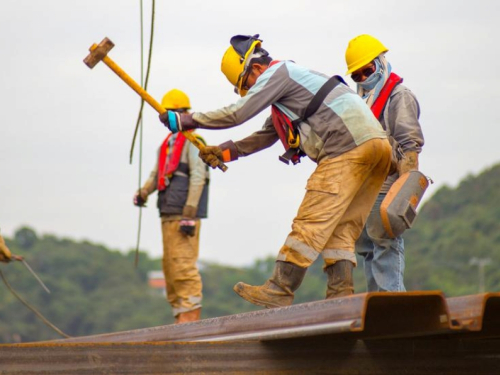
column 384, row 257
column 180, row 253
column 340, row 193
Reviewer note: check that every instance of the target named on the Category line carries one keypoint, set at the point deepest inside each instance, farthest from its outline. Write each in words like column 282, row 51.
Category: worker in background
column 181, row 179
column 5, row 255
column 338, row 132
column 398, row 111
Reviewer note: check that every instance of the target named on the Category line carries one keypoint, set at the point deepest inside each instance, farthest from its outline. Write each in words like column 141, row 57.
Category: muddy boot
column 278, row 290
column 340, row 283
column 188, row 316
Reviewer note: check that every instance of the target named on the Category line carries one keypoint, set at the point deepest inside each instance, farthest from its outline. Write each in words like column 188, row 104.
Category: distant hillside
column 97, row 290
column 454, row 227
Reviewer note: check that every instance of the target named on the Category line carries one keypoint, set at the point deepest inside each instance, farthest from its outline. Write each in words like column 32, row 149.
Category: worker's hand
column 211, row 156
column 141, row 197
column 187, row 224
column 188, row 227
column 409, row 162
column 5, row 255
column 177, row 122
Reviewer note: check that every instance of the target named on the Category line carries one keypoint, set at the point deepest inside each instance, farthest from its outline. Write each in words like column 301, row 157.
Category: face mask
column 370, row 83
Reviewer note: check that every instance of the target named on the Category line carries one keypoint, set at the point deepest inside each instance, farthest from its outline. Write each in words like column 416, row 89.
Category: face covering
column 370, row 83
column 370, row 88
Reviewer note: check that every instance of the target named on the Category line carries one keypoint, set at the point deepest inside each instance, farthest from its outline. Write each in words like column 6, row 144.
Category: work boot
column 188, row 316
column 278, row 290
column 340, row 283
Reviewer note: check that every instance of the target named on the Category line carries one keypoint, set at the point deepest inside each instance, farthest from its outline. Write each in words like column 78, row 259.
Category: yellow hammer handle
column 152, row 102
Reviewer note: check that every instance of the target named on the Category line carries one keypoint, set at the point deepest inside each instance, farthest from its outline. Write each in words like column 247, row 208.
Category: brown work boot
column 188, row 316
column 340, row 283
column 278, row 290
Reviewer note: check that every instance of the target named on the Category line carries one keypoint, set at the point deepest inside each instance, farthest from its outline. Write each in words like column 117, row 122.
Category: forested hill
column 455, row 230
column 97, row 290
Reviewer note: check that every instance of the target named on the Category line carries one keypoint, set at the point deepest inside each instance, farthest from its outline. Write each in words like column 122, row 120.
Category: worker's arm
column 230, row 151
column 404, row 125
column 141, row 195
column 270, row 87
column 5, row 255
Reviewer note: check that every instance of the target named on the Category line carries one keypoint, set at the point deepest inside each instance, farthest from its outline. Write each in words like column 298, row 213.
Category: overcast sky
column 66, row 130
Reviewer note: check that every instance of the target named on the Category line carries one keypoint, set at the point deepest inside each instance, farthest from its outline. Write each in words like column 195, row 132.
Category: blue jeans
column 384, row 257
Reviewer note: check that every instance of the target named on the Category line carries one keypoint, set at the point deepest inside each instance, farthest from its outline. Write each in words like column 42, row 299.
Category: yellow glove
column 211, row 156
column 5, row 254
column 408, row 163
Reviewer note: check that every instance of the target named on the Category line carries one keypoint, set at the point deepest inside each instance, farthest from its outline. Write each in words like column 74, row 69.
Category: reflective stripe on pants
column 340, row 193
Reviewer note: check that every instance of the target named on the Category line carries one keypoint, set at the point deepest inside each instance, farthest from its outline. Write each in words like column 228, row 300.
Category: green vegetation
column 97, row 290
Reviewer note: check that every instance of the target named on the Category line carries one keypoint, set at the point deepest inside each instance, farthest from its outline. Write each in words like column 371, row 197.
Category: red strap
column 282, row 124
column 168, row 161
column 379, row 104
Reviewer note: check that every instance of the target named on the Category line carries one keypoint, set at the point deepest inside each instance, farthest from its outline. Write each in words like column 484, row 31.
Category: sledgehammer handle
column 150, row 100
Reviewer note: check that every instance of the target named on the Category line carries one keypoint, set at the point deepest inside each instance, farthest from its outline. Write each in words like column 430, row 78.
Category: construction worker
column 398, row 111
column 5, row 255
column 181, row 179
column 312, row 115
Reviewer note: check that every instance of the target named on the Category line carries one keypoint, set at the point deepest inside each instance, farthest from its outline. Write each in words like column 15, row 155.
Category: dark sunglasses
column 366, row 72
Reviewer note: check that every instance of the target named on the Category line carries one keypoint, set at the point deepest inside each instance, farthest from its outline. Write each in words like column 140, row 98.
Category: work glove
column 409, row 162
column 141, row 197
column 5, row 255
column 178, row 122
column 187, row 224
column 211, row 156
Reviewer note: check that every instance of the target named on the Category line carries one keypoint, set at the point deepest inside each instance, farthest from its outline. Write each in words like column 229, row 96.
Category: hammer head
column 98, row 52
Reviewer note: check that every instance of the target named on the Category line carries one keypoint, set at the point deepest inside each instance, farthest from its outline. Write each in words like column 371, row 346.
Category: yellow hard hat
column 175, row 99
column 362, row 50
column 237, row 58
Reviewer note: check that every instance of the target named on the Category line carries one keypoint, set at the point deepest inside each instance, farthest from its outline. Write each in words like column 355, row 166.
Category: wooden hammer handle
column 152, row 102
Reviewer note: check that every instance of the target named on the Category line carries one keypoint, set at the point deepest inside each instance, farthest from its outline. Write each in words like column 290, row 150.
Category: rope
column 37, row 313
column 138, row 124
column 139, row 117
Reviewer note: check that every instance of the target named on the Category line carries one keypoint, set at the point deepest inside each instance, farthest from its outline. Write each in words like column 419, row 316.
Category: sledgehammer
column 100, row 53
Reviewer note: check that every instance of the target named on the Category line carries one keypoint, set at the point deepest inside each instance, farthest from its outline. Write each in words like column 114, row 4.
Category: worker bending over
column 315, row 116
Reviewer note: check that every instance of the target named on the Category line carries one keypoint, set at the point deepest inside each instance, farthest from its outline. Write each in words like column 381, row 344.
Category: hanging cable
column 139, row 117
column 138, row 126
column 37, row 313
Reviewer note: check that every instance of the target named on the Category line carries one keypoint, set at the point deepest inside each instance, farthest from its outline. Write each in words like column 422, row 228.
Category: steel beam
column 368, row 315
column 314, row 355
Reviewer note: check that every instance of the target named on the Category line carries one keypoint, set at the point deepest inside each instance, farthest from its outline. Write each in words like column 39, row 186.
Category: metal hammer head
column 98, row 52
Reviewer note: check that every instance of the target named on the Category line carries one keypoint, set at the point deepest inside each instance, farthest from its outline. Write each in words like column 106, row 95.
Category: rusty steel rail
column 314, row 355
column 361, row 316
column 479, row 313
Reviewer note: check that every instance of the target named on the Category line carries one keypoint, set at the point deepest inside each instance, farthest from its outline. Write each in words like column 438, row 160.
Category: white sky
column 66, row 130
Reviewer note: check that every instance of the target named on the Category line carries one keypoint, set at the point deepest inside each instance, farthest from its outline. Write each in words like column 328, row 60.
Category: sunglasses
column 366, row 72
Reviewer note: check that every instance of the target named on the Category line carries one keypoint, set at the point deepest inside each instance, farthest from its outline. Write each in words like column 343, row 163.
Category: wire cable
column 37, row 313
column 139, row 123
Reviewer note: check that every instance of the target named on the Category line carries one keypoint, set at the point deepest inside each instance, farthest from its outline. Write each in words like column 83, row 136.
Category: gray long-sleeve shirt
column 400, row 118
column 342, row 122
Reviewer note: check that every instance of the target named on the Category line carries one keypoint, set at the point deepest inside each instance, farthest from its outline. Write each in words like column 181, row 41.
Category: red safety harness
column 168, row 162
column 288, row 130
column 380, row 103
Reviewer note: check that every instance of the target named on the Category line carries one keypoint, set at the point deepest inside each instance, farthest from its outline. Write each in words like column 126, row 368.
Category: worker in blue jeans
column 398, row 111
